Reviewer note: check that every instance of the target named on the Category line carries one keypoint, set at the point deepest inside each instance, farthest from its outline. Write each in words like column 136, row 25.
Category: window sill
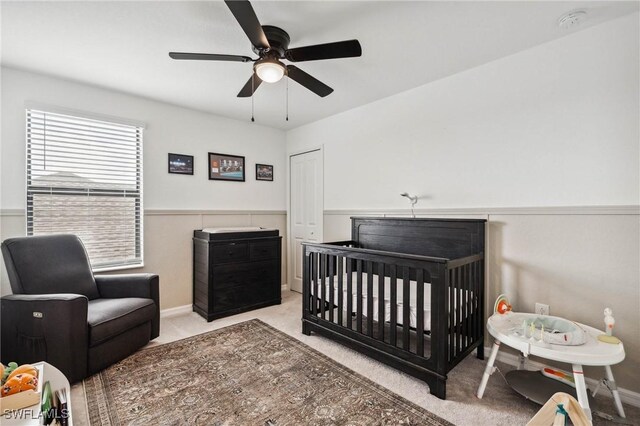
column 118, row 268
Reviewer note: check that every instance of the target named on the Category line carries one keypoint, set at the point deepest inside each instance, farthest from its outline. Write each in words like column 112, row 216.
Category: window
column 84, row 177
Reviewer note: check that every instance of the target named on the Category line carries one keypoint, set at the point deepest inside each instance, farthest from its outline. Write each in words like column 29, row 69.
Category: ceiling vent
column 572, row 20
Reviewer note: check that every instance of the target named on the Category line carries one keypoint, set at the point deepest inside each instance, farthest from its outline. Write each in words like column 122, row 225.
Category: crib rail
column 378, row 299
column 354, row 290
column 465, row 307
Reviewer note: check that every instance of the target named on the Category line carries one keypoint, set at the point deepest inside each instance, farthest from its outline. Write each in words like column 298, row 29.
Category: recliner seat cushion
column 48, row 264
column 110, row 317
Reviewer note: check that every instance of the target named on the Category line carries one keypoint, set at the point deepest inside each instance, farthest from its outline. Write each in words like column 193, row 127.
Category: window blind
column 84, row 177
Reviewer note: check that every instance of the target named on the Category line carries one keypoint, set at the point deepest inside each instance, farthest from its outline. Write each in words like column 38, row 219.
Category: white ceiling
column 124, row 45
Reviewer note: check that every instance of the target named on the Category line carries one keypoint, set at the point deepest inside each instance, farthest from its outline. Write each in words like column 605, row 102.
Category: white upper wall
column 555, row 125
column 168, row 129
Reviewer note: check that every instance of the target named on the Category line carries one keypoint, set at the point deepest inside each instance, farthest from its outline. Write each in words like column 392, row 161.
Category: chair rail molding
column 528, row 211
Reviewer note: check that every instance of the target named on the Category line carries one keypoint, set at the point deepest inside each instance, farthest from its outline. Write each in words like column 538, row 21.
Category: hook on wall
column 412, row 199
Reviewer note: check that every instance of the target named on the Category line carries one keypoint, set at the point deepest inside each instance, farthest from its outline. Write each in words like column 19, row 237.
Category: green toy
column 8, row 370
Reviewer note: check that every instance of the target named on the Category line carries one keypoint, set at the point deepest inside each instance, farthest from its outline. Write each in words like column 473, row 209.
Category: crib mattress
column 400, row 306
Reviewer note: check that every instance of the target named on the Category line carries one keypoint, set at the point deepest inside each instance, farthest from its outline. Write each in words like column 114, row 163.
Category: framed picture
column 181, row 164
column 264, row 172
column 226, row 167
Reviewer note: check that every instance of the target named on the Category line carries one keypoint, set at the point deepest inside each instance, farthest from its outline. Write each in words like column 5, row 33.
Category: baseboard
column 626, row 396
column 174, row 312
column 186, row 309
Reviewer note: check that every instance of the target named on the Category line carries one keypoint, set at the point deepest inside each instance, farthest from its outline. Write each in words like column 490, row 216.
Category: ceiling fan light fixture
column 270, row 70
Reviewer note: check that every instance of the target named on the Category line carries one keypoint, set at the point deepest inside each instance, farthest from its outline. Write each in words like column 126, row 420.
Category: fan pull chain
column 287, row 117
column 253, row 90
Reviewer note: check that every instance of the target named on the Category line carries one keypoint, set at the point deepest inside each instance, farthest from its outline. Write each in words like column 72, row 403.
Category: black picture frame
column 180, row 164
column 226, row 167
column 264, row 172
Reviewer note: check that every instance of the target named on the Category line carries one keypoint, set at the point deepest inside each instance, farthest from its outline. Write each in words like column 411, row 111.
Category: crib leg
column 306, row 330
column 480, row 351
column 438, row 388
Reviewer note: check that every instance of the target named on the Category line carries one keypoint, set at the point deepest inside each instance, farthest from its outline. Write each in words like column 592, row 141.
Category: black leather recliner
column 61, row 313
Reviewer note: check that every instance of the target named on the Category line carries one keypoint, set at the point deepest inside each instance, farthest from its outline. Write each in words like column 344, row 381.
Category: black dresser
column 235, row 271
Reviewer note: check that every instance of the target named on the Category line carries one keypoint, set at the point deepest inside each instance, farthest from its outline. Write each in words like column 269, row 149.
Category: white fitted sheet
column 413, row 313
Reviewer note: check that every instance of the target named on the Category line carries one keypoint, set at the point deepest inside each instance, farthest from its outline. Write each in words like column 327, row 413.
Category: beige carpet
column 244, row 374
column 500, row 404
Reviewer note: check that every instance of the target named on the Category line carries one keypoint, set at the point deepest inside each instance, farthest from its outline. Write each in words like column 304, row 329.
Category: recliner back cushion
column 49, row 264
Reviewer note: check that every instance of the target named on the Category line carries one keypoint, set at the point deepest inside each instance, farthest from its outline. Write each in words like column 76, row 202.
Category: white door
column 306, row 192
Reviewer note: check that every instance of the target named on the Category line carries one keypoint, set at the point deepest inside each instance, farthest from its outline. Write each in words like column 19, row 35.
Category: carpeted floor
column 500, row 404
column 245, row 374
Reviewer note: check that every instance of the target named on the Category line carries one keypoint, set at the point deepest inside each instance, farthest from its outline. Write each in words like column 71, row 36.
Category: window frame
column 139, row 223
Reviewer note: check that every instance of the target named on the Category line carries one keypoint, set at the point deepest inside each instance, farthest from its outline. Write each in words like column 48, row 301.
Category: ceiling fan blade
column 209, row 57
column 246, row 17
column 250, row 88
column 311, row 83
column 339, row 49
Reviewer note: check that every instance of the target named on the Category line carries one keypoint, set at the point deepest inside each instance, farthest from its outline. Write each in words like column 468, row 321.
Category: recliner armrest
column 132, row 285
column 127, row 285
column 34, row 298
column 51, row 326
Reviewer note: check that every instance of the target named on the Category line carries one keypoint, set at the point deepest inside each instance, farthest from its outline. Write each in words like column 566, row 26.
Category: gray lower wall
column 167, row 244
column 578, row 260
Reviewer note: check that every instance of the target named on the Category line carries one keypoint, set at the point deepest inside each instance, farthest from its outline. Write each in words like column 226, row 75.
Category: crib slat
column 451, row 327
column 480, row 298
column 465, row 318
column 349, row 293
column 381, row 315
column 406, row 308
column 393, row 274
column 469, row 304
column 472, row 301
column 323, row 288
column 456, row 315
column 340, row 291
column 481, row 285
column 465, row 311
column 477, row 300
column 458, row 311
column 314, row 283
column 359, row 295
column 420, row 312
column 332, row 260
column 369, row 298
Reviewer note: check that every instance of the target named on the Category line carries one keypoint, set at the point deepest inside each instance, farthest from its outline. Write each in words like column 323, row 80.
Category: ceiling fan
column 271, row 44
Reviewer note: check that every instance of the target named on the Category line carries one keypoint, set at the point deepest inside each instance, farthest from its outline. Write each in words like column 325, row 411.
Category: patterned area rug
column 244, row 374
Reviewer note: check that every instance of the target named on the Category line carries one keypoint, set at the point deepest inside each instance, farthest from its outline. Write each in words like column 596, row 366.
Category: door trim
column 290, row 255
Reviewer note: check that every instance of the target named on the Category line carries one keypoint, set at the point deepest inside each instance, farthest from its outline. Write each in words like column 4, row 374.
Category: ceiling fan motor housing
column 278, row 40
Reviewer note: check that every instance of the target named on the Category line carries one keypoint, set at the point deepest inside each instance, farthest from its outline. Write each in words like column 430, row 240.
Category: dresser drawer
column 264, row 250
column 229, row 276
column 250, row 294
column 237, row 275
column 227, row 298
column 262, row 272
column 233, row 252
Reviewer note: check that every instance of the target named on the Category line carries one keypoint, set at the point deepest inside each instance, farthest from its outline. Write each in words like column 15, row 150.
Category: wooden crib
column 407, row 292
